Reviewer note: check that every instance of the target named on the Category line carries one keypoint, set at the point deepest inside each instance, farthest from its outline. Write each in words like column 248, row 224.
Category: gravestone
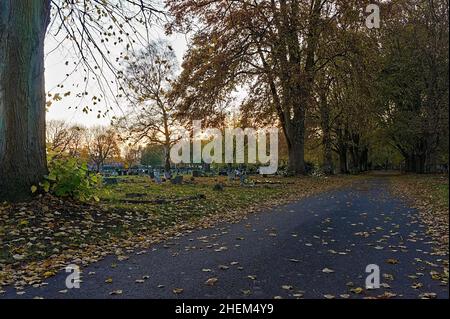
column 110, row 181
column 178, row 180
column 231, row 176
column 243, row 178
column 158, row 178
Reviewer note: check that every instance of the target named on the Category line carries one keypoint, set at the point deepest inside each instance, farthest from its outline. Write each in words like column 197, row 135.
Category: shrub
column 69, row 178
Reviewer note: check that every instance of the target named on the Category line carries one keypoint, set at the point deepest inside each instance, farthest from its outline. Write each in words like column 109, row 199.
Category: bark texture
column 23, row 25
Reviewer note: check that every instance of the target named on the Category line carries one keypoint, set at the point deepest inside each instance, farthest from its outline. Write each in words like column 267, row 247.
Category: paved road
column 282, row 252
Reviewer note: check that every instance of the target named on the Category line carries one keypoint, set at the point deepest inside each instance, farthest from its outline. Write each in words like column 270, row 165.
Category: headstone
column 242, row 178
column 231, row 176
column 158, row 178
column 178, row 180
column 110, row 181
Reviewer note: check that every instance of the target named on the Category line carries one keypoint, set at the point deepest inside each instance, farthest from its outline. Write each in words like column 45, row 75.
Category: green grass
column 231, row 198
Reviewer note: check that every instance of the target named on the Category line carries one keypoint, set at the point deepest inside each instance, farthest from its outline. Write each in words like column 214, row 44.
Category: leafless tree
column 102, row 145
column 152, row 118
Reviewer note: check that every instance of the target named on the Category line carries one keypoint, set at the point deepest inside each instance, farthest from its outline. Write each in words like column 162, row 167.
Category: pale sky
column 56, row 71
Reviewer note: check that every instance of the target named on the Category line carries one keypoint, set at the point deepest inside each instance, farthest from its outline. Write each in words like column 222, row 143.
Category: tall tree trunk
column 296, row 78
column 23, row 26
column 364, row 160
column 167, row 163
column 167, row 158
column 296, row 145
column 342, row 147
column 354, row 160
column 343, row 165
column 420, row 167
column 296, row 149
column 326, row 138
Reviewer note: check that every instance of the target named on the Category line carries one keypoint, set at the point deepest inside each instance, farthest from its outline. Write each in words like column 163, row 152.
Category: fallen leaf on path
column 387, row 295
column 388, row 276
column 357, row 290
column 211, row 281
column 428, row 295
column 392, row 261
column 177, row 291
column 327, row 270
column 246, row 292
column 417, row 285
